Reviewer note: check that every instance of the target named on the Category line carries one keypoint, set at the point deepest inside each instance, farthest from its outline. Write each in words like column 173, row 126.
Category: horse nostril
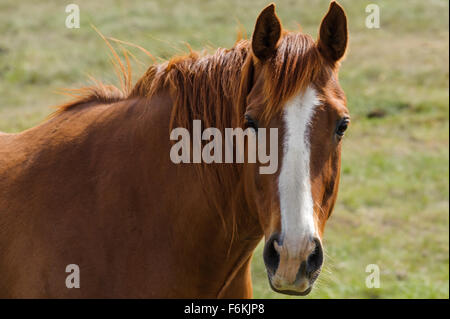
column 315, row 260
column 270, row 255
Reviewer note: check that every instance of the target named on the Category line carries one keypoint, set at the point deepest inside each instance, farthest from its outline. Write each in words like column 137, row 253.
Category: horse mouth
column 291, row 292
column 292, row 289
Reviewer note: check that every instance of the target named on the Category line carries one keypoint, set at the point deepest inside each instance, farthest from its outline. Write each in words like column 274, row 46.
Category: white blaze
column 296, row 203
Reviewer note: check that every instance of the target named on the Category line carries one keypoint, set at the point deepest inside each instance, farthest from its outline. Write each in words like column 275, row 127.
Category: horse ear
column 333, row 34
column 266, row 34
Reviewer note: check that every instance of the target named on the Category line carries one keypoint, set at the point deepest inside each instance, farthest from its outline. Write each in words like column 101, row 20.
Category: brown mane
column 213, row 87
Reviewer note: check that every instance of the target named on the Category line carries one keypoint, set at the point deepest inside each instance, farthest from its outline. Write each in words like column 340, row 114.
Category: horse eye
column 342, row 127
column 250, row 122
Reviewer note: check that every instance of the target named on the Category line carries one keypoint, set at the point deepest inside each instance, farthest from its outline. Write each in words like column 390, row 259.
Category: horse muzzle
column 293, row 271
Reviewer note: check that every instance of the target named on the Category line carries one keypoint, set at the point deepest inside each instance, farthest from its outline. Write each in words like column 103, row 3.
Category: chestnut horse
column 94, row 185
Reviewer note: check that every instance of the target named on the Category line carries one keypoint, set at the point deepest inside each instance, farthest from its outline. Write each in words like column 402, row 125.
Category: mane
column 213, row 87
column 99, row 93
column 202, row 86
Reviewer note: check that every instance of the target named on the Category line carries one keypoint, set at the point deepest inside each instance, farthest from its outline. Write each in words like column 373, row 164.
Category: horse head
column 293, row 86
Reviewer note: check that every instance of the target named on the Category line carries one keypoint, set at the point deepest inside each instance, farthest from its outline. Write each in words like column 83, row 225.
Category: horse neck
column 214, row 213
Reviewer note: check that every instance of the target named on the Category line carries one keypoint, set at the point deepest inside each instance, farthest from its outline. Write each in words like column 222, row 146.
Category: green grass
column 393, row 205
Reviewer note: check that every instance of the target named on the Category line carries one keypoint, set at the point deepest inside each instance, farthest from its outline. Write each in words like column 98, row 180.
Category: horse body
column 95, row 186
column 82, row 195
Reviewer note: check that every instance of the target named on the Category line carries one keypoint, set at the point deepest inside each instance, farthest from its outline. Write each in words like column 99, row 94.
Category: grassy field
column 393, row 205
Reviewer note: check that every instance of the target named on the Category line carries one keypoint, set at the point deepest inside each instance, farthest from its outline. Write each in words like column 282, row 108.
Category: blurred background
column 393, row 203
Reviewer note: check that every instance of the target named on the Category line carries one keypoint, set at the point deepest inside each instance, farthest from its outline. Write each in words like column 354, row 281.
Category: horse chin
column 291, row 292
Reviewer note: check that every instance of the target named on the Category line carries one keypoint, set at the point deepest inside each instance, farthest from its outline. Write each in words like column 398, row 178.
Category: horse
column 93, row 186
